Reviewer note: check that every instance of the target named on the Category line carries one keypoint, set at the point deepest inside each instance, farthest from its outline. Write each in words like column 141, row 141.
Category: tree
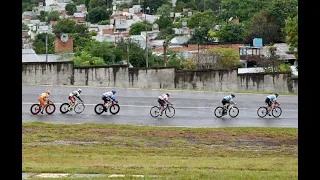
column 291, row 30
column 85, row 59
column 97, row 14
column 261, row 26
column 228, row 58
column 70, row 8
column 137, row 55
column 164, row 21
column 200, row 36
column 39, row 44
column 231, row 32
column 243, row 9
column 137, row 27
column 97, row 3
column 104, row 50
column 53, row 16
column 203, row 19
column 25, row 27
column 164, row 10
column 78, row 2
column 43, row 16
column 64, row 26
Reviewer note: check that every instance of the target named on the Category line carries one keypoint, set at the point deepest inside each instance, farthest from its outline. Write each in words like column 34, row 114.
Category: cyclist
column 227, row 100
column 163, row 99
column 72, row 99
column 270, row 100
column 108, row 96
column 44, row 97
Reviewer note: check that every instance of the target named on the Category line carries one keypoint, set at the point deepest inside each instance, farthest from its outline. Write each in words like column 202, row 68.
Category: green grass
column 168, row 152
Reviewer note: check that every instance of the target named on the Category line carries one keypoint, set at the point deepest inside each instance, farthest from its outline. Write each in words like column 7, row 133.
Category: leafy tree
column 39, row 44
column 137, row 55
column 97, row 3
column 291, row 30
column 228, row 58
column 104, row 50
column 124, row 5
column 70, row 8
column 164, row 10
column 79, row 41
column 78, row 2
column 64, row 26
column 164, row 21
column 208, row 4
column 200, row 36
column 188, row 64
column 43, row 16
column 25, row 27
column 154, row 4
column 103, row 22
column 136, row 28
column 97, row 14
column 261, row 26
column 279, row 10
column 85, row 59
column 53, row 16
column 202, row 19
column 179, row 6
column 166, row 33
column 86, row 3
column 270, row 63
column 231, row 32
column 243, row 9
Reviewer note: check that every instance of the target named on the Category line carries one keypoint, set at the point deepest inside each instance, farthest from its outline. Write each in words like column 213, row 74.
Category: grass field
column 161, row 152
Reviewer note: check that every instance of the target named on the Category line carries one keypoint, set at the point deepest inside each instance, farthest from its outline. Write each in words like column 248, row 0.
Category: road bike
column 276, row 111
column 114, row 108
column 168, row 110
column 78, row 107
column 49, row 107
column 232, row 109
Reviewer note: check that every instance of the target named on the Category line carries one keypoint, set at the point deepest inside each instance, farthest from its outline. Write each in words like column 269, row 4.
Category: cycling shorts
column 161, row 102
column 268, row 102
column 224, row 101
column 72, row 99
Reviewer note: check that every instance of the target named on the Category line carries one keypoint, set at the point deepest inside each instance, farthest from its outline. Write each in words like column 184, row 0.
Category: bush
column 284, row 68
column 93, row 33
column 188, row 64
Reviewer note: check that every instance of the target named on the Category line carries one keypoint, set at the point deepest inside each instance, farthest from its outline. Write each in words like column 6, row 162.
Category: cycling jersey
column 228, row 98
column 75, row 93
column 272, row 97
column 109, row 95
column 44, row 95
column 164, row 97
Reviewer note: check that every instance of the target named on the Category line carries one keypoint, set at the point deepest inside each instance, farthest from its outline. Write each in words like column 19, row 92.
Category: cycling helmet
column 113, row 91
column 233, row 95
column 168, row 94
column 48, row 92
column 79, row 90
column 276, row 94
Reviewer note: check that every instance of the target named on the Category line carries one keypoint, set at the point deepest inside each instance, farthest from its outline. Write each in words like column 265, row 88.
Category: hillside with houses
column 179, row 33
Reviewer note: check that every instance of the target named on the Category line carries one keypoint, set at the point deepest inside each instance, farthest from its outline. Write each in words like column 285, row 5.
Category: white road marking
column 140, row 106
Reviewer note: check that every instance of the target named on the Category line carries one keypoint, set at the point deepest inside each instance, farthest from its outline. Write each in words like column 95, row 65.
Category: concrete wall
column 63, row 73
column 52, row 73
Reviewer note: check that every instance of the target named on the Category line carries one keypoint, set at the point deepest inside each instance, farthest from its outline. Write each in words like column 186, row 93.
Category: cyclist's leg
column 41, row 100
column 105, row 101
column 161, row 102
column 224, row 102
column 72, row 100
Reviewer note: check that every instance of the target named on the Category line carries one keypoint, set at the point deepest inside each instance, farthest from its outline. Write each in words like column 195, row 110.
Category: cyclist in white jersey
column 163, row 99
column 227, row 100
column 270, row 100
column 109, row 96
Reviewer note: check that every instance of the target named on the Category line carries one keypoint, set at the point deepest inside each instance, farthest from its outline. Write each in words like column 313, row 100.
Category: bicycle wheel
column 64, row 108
column 114, row 109
column 262, row 112
column 35, row 109
column 170, row 111
column 154, row 111
column 233, row 112
column 79, row 108
column 99, row 109
column 276, row 112
column 218, row 112
column 50, row 108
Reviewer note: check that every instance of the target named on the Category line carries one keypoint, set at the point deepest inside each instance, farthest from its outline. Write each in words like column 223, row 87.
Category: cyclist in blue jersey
column 227, row 100
column 109, row 96
column 270, row 100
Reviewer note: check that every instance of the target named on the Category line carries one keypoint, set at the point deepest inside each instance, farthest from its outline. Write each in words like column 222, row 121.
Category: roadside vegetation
column 161, row 152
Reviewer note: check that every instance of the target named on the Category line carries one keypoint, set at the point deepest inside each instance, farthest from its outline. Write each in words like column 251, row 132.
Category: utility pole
column 165, row 53
column 47, row 46
column 128, row 54
column 145, row 18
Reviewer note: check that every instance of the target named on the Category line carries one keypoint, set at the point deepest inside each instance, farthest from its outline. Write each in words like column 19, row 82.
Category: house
column 27, row 15
column 179, row 40
column 29, row 55
column 79, row 17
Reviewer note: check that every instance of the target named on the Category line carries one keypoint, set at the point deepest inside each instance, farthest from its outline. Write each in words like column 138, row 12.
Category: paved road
column 193, row 109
